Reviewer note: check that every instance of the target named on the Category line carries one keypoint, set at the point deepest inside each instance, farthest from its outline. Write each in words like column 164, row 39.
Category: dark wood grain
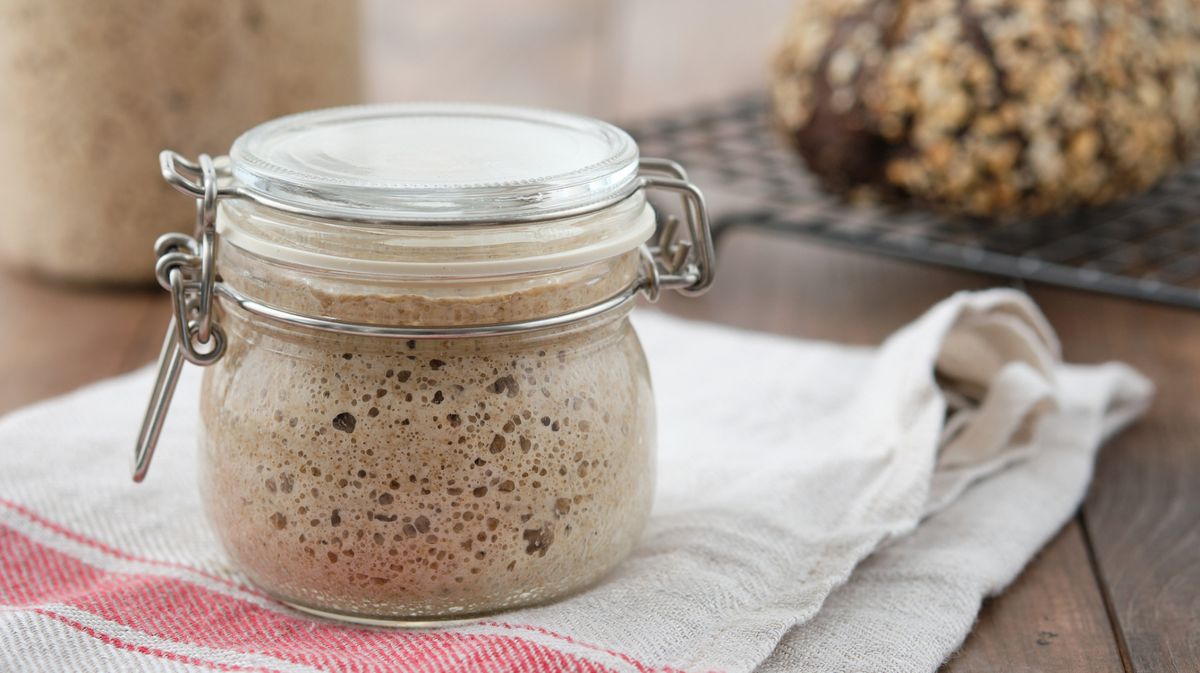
column 1053, row 619
column 1143, row 512
column 146, row 343
column 55, row 338
column 779, row 283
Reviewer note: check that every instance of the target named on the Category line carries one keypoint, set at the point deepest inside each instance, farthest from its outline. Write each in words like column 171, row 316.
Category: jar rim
column 431, row 163
column 389, row 251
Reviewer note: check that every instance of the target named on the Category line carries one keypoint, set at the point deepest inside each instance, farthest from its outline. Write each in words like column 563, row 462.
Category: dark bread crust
column 840, row 145
column 991, row 108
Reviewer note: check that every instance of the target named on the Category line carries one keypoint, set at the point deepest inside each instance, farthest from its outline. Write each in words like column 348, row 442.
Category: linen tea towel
column 782, row 465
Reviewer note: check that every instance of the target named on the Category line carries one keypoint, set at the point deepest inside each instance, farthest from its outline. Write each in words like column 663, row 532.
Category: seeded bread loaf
column 991, row 107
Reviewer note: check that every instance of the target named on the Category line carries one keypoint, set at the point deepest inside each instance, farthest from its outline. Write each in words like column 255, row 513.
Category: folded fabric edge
column 910, row 606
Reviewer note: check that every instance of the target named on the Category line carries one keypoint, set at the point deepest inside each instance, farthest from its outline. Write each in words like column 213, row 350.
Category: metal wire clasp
column 186, row 267
column 684, row 265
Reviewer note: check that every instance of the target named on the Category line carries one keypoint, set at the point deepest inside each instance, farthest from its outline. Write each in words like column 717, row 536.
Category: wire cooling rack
column 1146, row 247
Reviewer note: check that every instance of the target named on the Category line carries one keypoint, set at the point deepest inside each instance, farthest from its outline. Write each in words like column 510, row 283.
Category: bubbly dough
column 416, row 479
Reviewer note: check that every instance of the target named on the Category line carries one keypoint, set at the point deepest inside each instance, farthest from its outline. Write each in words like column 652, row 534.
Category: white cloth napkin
column 819, row 507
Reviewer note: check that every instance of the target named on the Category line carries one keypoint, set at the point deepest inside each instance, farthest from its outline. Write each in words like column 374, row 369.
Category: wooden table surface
column 1117, row 590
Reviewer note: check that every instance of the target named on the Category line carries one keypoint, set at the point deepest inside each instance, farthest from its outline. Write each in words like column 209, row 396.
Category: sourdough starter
column 401, row 479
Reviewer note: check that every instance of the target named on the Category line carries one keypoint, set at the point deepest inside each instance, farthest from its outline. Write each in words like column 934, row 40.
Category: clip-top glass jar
column 423, row 397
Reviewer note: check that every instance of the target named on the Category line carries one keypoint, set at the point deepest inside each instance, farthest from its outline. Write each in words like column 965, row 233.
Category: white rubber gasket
column 634, row 233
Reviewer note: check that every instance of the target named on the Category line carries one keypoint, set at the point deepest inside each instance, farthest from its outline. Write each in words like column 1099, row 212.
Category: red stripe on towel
column 34, row 576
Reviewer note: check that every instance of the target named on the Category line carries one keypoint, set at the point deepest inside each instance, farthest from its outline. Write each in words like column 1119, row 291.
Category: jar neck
column 425, row 302
column 244, row 329
column 430, row 249
column 426, row 276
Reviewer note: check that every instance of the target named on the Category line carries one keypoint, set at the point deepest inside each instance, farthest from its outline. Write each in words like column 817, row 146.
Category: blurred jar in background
column 91, row 91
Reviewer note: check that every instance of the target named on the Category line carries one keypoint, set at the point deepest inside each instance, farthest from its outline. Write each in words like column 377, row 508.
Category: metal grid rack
column 1146, row 247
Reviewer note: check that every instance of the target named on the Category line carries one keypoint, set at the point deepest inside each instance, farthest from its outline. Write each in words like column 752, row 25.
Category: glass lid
column 436, row 163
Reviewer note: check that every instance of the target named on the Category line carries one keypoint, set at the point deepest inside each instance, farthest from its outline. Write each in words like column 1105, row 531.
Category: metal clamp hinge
column 186, row 267
column 672, row 263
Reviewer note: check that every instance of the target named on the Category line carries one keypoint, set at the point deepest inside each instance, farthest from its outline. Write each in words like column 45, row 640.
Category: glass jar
column 423, row 396
column 90, row 91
